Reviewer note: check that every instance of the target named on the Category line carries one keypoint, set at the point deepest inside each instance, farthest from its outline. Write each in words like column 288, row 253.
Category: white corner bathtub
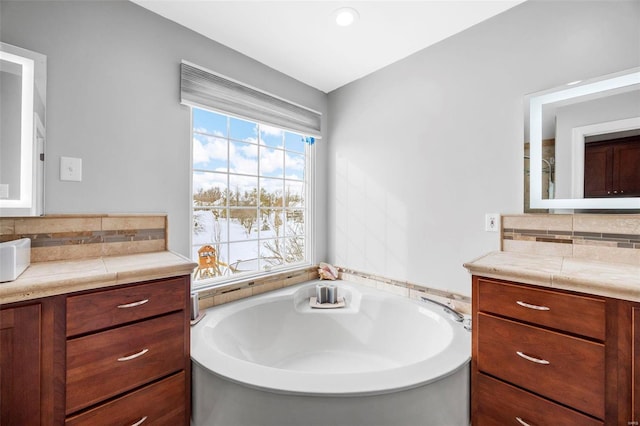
column 382, row 360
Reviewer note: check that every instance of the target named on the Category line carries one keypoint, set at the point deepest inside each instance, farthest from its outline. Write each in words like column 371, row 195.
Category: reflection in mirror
column 22, row 131
column 582, row 145
column 548, row 173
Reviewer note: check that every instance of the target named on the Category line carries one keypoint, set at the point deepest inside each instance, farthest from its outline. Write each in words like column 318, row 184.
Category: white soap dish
column 15, row 257
column 313, row 302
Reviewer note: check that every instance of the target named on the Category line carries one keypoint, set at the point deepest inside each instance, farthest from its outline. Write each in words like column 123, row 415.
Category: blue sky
column 217, row 137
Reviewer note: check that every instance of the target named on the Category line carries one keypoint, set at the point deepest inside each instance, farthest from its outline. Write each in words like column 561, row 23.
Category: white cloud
column 272, row 185
column 272, row 131
column 242, row 183
column 271, row 160
column 208, row 180
column 211, row 152
column 243, row 158
column 294, row 162
column 212, row 149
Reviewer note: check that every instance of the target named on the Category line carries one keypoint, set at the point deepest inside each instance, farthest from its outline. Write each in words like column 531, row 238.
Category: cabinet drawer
column 500, row 404
column 571, row 313
column 105, row 364
column 104, row 309
column 162, row 403
column 560, row 367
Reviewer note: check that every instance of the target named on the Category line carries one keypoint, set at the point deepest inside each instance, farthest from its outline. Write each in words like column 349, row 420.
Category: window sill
column 229, row 291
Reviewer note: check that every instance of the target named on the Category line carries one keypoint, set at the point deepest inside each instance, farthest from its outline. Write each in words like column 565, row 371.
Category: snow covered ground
column 243, row 251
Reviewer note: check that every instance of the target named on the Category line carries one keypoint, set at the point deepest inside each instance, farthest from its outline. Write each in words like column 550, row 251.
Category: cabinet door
column 626, row 168
column 635, row 392
column 20, row 342
column 612, row 168
column 598, row 167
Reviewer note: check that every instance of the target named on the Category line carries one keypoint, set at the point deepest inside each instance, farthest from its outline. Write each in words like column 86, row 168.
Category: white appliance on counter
column 15, row 257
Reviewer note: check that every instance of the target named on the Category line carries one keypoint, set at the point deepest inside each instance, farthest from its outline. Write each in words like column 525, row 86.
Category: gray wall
column 113, row 100
column 421, row 150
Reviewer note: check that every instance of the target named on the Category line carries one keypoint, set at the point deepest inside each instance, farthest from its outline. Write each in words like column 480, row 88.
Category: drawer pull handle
column 522, row 422
column 532, row 359
column 134, row 356
column 134, row 304
column 530, row 306
column 139, row 422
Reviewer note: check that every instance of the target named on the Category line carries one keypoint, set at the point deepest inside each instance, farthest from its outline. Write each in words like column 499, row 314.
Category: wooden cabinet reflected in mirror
column 612, row 167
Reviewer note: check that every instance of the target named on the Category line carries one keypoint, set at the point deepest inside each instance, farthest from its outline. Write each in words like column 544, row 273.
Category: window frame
column 308, row 207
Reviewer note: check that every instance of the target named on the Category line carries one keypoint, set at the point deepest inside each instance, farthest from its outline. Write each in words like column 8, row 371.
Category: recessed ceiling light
column 345, row 16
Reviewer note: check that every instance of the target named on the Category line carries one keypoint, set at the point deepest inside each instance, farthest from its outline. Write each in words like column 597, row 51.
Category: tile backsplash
column 602, row 237
column 252, row 287
column 71, row 237
column 67, row 237
column 457, row 301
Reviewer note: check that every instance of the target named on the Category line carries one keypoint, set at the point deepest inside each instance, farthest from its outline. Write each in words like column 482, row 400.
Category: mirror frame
column 32, row 132
column 536, row 103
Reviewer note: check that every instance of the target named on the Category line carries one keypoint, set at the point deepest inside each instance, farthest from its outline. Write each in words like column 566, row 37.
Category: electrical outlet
column 71, row 169
column 492, row 222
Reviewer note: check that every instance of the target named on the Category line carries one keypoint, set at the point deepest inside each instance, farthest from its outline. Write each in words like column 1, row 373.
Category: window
column 250, row 190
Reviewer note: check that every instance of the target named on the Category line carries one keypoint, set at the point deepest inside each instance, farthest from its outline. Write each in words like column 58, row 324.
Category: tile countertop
column 616, row 280
column 44, row 279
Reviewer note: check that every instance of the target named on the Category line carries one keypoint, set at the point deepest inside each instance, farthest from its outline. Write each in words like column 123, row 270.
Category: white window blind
column 205, row 89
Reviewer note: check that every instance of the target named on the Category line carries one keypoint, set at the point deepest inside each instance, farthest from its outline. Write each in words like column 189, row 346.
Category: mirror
column 23, row 76
column 582, row 145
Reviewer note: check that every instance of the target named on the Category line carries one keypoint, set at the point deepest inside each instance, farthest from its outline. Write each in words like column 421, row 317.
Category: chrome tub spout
column 455, row 315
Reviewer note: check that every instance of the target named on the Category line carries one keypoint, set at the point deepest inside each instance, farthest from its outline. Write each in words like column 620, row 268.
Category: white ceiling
column 299, row 38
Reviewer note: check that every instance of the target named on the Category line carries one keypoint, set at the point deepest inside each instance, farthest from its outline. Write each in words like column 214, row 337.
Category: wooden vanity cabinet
column 119, row 355
column 20, row 372
column 31, row 372
column 542, row 356
column 127, row 354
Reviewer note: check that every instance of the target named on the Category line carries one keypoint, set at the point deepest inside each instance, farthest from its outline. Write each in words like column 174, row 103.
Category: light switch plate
column 4, row 190
column 71, row 169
